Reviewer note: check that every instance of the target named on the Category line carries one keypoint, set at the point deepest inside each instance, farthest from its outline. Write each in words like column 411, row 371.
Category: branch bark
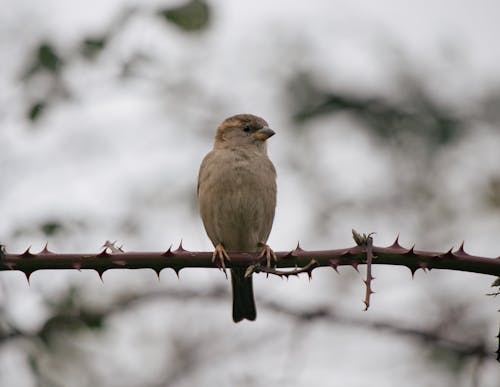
column 178, row 259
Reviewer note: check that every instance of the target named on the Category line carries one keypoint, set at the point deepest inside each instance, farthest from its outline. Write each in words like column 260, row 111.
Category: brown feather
column 237, row 199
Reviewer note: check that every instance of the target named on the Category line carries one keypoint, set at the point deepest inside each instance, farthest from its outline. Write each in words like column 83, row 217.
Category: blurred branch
column 178, row 259
column 418, row 113
column 81, row 316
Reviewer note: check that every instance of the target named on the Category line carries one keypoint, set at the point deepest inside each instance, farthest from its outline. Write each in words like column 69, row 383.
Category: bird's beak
column 264, row 133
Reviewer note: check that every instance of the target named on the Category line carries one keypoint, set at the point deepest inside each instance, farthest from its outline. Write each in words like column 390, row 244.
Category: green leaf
column 36, row 110
column 44, row 58
column 48, row 58
column 192, row 16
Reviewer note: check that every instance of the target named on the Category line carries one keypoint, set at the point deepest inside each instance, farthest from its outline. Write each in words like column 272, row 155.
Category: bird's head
column 243, row 130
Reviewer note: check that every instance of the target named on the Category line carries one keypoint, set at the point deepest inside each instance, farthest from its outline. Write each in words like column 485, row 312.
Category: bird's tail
column 243, row 302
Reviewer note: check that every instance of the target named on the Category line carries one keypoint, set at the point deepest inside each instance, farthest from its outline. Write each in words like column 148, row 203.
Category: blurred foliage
column 496, row 292
column 194, row 15
column 36, row 110
column 493, row 192
column 491, row 107
column 69, row 316
column 191, row 16
column 417, row 116
column 44, row 58
column 92, row 46
column 51, row 227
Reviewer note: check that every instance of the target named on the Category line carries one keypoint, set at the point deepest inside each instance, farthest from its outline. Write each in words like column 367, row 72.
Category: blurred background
column 387, row 117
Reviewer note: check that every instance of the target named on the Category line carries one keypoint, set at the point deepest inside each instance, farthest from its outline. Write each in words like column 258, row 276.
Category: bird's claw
column 219, row 257
column 269, row 254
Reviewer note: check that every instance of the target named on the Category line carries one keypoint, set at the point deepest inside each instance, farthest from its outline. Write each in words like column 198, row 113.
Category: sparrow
column 237, row 200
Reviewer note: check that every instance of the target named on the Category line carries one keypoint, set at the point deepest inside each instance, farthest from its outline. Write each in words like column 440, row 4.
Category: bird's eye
column 247, row 128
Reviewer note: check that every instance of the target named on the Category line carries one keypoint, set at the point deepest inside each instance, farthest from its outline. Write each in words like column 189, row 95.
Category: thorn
column 355, row 264
column 309, row 274
column 294, row 252
column 180, row 248
column 168, row 253
column 177, row 271
column 396, row 244
column 103, row 254
column 334, row 263
column 366, row 283
column 413, row 269
column 100, row 273
column 28, row 275
column 290, row 254
column 157, row 271
column 119, row 262
column 46, row 249
column 461, row 250
column 27, row 253
column 77, row 266
column 410, row 251
column 448, row 254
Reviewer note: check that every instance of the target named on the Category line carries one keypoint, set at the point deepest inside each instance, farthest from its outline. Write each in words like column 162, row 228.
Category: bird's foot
column 269, row 254
column 219, row 257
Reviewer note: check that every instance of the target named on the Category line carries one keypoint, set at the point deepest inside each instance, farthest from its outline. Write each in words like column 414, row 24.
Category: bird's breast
column 237, row 199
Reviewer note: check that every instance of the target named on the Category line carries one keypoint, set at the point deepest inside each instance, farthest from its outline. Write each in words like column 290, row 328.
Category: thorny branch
column 367, row 242
column 178, row 259
column 112, row 257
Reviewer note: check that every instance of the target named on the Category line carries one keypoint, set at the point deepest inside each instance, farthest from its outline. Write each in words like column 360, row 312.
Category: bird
column 237, row 200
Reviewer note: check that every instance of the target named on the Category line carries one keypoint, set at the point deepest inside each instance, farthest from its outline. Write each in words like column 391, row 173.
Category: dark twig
column 369, row 277
column 257, row 268
column 367, row 242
